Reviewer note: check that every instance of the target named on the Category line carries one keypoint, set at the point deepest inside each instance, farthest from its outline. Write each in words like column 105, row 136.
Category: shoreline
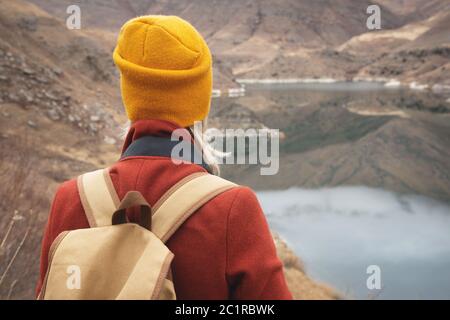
column 387, row 82
column 301, row 285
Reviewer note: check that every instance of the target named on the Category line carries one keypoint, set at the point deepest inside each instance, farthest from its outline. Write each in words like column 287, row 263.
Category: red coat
column 223, row 251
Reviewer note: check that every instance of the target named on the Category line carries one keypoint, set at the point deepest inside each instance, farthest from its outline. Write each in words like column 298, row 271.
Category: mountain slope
column 419, row 51
column 286, row 38
column 56, row 110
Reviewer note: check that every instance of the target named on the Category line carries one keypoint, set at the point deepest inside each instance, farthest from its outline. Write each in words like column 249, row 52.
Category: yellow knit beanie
column 166, row 70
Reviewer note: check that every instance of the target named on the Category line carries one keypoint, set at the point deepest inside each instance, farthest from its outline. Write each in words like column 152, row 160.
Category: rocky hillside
column 53, row 71
column 418, row 51
column 57, row 118
column 296, row 38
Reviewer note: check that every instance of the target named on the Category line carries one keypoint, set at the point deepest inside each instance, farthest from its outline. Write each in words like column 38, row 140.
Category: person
column 224, row 250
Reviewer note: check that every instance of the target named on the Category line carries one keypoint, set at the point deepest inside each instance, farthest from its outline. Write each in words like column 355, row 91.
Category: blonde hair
column 210, row 155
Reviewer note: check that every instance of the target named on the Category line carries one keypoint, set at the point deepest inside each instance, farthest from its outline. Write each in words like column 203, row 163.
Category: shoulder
column 66, row 196
column 67, row 212
column 238, row 199
column 67, row 190
column 243, row 195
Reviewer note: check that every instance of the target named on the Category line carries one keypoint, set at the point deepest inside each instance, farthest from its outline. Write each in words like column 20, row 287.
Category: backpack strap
column 100, row 200
column 183, row 199
column 98, row 197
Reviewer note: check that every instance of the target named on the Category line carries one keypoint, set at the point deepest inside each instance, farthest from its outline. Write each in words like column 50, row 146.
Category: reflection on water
column 339, row 232
column 367, row 94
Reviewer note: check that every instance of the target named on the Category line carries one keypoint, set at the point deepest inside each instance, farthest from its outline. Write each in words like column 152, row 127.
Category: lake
column 339, row 232
column 360, row 169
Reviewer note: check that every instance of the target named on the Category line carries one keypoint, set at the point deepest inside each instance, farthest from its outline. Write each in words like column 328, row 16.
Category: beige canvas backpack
column 114, row 259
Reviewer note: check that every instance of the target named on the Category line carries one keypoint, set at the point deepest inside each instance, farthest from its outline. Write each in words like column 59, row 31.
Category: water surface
column 339, row 232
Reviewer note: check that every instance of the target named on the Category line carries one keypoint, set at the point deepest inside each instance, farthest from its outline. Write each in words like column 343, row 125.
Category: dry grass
column 20, row 231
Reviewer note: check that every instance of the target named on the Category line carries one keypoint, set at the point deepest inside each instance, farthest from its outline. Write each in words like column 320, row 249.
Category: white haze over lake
column 340, row 231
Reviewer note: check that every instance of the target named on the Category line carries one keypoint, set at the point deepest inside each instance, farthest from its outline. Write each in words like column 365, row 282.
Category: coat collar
column 156, row 128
